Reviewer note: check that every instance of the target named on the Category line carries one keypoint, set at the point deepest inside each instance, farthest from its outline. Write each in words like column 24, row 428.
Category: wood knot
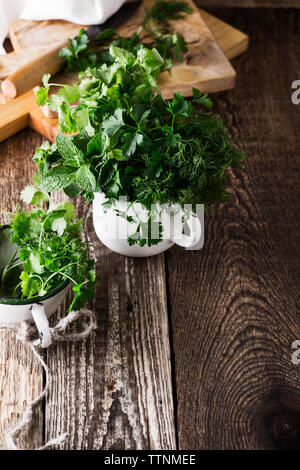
column 129, row 306
column 285, row 426
column 111, row 385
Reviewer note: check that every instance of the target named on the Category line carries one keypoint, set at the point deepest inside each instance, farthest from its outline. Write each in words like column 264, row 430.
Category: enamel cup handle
column 191, row 240
column 42, row 324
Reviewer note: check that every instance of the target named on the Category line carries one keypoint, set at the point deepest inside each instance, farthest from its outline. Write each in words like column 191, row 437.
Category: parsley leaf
column 131, row 140
column 112, row 124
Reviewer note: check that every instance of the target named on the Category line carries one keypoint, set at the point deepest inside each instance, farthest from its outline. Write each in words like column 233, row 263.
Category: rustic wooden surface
column 21, row 378
column 226, row 315
column 235, row 304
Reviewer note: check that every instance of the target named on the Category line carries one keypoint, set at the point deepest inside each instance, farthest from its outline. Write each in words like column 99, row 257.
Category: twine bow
column 27, row 334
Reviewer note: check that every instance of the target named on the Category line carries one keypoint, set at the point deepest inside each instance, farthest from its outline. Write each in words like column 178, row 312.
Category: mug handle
column 191, row 240
column 42, row 324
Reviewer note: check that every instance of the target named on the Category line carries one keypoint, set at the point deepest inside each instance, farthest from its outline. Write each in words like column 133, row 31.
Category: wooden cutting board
column 211, row 43
column 206, row 66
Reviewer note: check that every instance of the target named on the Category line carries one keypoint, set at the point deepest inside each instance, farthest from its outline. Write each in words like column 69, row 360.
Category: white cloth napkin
column 75, row 11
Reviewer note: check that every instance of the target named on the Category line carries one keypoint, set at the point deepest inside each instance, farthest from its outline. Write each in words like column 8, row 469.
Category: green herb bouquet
column 48, row 251
column 128, row 140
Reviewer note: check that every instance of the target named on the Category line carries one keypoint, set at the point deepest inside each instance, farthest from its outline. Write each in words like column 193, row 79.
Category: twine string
column 27, row 334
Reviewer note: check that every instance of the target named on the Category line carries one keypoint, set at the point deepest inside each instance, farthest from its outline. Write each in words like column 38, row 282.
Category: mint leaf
column 85, row 179
column 72, row 190
column 66, row 147
column 59, row 177
column 36, row 178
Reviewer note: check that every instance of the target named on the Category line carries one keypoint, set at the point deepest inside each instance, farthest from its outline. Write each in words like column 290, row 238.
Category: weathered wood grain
column 235, row 304
column 21, row 377
column 21, row 381
column 114, row 391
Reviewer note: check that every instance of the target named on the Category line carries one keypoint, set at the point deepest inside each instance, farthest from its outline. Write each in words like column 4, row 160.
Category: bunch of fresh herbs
column 80, row 54
column 128, row 141
column 48, row 251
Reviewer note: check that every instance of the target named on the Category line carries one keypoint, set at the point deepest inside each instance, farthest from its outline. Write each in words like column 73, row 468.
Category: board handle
column 31, row 73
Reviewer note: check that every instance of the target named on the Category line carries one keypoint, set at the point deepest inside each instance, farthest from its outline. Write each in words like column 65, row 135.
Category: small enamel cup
column 36, row 310
column 113, row 230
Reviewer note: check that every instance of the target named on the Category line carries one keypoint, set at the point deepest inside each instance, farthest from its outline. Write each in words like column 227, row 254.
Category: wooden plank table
column 193, row 349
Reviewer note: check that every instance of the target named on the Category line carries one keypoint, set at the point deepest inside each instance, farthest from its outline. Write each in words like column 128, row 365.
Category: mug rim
column 33, row 300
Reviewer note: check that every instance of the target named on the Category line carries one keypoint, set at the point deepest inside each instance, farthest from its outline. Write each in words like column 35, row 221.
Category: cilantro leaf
column 150, row 59
column 83, row 121
column 58, row 225
column 32, row 195
column 29, row 285
column 42, row 96
column 140, row 113
column 72, row 53
column 121, row 55
column 32, row 264
column 45, row 79
column 69, row 93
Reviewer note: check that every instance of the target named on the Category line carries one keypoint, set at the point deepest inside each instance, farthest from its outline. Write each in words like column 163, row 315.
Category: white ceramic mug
column 113, row 230
column 15, row 311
